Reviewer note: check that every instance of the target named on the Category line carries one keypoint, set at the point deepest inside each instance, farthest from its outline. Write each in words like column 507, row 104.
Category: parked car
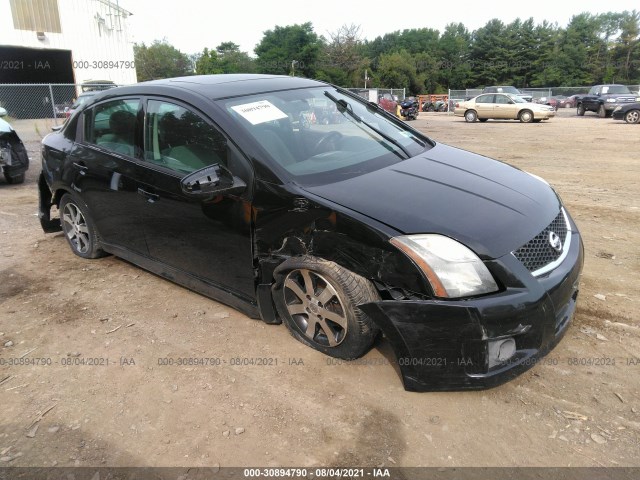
column 555, row 101
column 96, row 85
column 61, row 109
column 470, row 267
column 14, row 159
column 510, row 90
column 568, row 102
column 502, row 106
column 630, row 113
column 388, row 102
column 604, row 99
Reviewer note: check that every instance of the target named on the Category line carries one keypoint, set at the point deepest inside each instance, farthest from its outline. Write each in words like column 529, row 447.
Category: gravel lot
column 580, row 407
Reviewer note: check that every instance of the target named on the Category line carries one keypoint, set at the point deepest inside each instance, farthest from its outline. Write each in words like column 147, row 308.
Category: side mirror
column 212, row 180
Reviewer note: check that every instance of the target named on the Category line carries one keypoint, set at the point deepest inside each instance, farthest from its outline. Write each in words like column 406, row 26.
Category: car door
column 590, row 101
column 504, row 107
column 104, row 163
column 484, row 105
column 209, row 239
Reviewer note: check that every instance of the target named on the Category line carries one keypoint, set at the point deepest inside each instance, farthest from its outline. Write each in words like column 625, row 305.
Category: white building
column 65, row 41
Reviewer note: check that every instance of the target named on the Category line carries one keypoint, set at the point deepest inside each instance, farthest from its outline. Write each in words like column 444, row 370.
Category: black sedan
column 231, row 186
column 630, row 113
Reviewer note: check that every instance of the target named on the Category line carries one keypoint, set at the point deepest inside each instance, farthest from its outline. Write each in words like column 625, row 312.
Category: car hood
column 489, row 206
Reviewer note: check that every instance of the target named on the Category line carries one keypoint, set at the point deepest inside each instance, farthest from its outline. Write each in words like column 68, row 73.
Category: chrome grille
column 538, row 253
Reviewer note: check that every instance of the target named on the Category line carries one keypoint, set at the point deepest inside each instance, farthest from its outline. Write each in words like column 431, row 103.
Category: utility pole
column 365, row 78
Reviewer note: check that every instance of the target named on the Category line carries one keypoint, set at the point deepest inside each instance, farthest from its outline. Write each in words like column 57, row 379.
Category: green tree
column 488, row 54
column 455, row 70
column 160, row 60
column 397, row 70
column 341, row 59
column 626, row 51
column 294, row 47
column 226, row 58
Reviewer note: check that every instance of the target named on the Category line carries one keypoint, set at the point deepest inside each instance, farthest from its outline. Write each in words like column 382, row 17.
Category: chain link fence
column 44, row 101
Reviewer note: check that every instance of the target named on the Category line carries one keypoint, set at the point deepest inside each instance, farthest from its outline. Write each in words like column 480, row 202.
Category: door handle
column 82, row 167
column 151, row 197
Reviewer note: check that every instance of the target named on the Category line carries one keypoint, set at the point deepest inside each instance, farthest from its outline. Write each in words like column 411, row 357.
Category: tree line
column 591, row 49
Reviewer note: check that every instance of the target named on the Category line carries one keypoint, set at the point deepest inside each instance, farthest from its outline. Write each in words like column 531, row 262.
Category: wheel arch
column 366, row 253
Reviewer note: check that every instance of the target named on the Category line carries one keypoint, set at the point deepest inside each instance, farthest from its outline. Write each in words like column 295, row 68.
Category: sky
column 192, row 25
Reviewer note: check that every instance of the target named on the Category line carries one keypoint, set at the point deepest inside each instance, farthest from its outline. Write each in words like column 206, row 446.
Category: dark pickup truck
column 603, row 99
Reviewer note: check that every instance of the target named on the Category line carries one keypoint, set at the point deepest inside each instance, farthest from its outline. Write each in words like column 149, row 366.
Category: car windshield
column 513, row 90
column 517, row 99
column 322, row 135
column 615, row 89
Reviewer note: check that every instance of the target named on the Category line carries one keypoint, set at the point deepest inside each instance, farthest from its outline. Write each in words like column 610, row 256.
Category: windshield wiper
column 344, row 106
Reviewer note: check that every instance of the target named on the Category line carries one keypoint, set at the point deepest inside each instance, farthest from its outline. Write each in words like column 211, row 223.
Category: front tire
column 470, row 116
column 580, row 110
column 318, row 302
column 526, row 116
column 79, row 228
column 632, row 116
column 602, row 113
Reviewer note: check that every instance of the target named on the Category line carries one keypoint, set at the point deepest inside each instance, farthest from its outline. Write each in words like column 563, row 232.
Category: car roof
column 214, row 87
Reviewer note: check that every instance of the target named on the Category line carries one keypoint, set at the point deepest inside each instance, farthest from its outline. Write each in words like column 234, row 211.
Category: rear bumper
column 444, row 345
column 13, row 158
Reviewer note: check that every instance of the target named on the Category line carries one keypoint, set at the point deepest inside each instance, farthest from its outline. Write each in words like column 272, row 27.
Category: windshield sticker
column 259, row 112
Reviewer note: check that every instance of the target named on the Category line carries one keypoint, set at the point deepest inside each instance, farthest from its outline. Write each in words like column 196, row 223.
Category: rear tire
column 470, row 116
column 79, row 228
column 632, row 116
column 318, row 302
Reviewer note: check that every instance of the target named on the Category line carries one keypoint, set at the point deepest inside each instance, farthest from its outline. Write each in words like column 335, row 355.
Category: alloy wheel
column 315, row 307
column 75, row 227
column 632, row 117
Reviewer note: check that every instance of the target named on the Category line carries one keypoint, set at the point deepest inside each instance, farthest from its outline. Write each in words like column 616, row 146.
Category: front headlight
column 452, row 269
column 611, row 100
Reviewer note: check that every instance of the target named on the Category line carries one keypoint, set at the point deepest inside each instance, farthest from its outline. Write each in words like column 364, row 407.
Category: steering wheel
column 321, row 144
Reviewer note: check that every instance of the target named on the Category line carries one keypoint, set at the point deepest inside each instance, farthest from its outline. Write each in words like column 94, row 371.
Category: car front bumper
column 450, row 345
column 611, row 106
column 544, row 115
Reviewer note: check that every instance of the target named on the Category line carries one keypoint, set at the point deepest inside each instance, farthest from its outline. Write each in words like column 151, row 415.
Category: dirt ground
column 581, row 407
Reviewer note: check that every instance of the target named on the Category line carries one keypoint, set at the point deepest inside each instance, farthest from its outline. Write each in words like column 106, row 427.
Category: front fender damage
column 434, row 344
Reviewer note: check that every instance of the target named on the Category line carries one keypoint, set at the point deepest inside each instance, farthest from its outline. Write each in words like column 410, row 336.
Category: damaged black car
column 231, row 186
column 14, row 160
